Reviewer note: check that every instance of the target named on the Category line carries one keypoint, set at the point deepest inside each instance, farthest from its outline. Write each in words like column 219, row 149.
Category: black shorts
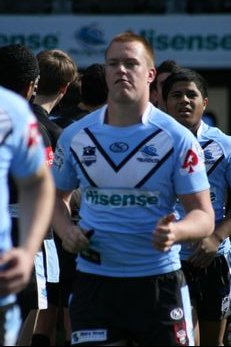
column 209, row 289
column 151, row 311
column 67, row 265
column 28, row 297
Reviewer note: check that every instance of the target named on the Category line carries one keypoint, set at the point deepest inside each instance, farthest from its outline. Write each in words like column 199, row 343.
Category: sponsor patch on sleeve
column 49, row 156
column 34, row 135
column 192, row 160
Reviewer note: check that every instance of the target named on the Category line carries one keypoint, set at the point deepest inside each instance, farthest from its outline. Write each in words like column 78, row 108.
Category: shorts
column 38, row 292
column 51, row 260
column 34, row 296
column 10, row 324
column 67, row 263
column 150, row 311
column 46, row 270
column 209, row 289
column 49, row 257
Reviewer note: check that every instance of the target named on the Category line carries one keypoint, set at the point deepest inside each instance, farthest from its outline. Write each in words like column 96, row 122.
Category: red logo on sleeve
column 190, row 161
column 49, row 156
column 33, row 135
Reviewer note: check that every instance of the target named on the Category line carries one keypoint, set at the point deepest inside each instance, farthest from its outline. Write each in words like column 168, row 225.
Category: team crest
column 89, row 155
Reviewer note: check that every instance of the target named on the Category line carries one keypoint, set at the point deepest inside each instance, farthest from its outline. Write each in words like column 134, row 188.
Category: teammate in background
column 22, row 155
column 166, row 68
column 205, row 262
column 57, row 72
column 210, row 118
column 67, row 110
column 19, row 71
column 91, row 91
column 84, row 95
column 94, row 88
column 131, row 162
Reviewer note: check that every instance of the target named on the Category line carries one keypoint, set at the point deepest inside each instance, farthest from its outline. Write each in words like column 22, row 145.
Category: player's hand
column 15, row 270
column 205, row 252
column 164, row 235
column 76, row 240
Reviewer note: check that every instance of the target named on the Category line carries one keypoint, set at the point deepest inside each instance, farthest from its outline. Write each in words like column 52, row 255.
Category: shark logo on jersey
column 209, row 159
column 214, row 154
column 149, row 154
column 89, row 155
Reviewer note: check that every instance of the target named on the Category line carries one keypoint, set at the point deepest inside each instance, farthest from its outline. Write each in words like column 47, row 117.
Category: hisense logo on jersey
column 121, row 198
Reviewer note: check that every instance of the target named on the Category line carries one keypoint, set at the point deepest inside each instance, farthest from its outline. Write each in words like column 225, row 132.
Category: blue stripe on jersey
column 216, row 163
column 155, row 169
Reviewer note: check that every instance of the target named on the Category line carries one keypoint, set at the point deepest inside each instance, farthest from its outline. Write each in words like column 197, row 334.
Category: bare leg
column 46, row 323
column 27, row 329
column 196, row 327
column 212, row 333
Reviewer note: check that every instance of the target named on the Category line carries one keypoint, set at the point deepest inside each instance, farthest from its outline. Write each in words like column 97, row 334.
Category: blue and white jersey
column 21, row 154
column 129, row 178
column 217, row 151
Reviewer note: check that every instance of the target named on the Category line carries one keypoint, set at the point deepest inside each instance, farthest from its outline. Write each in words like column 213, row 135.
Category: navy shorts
column 151, row 311
column 209, row 289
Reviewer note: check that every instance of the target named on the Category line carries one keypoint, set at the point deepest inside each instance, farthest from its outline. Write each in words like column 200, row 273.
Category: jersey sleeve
column 190, row 172
column 28, row 148
column 228, row 172
column 63, row 168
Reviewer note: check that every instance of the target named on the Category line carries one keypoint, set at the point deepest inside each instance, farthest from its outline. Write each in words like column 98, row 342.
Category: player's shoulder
column 217, row 135
column 14, row 109
column 10, row 100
